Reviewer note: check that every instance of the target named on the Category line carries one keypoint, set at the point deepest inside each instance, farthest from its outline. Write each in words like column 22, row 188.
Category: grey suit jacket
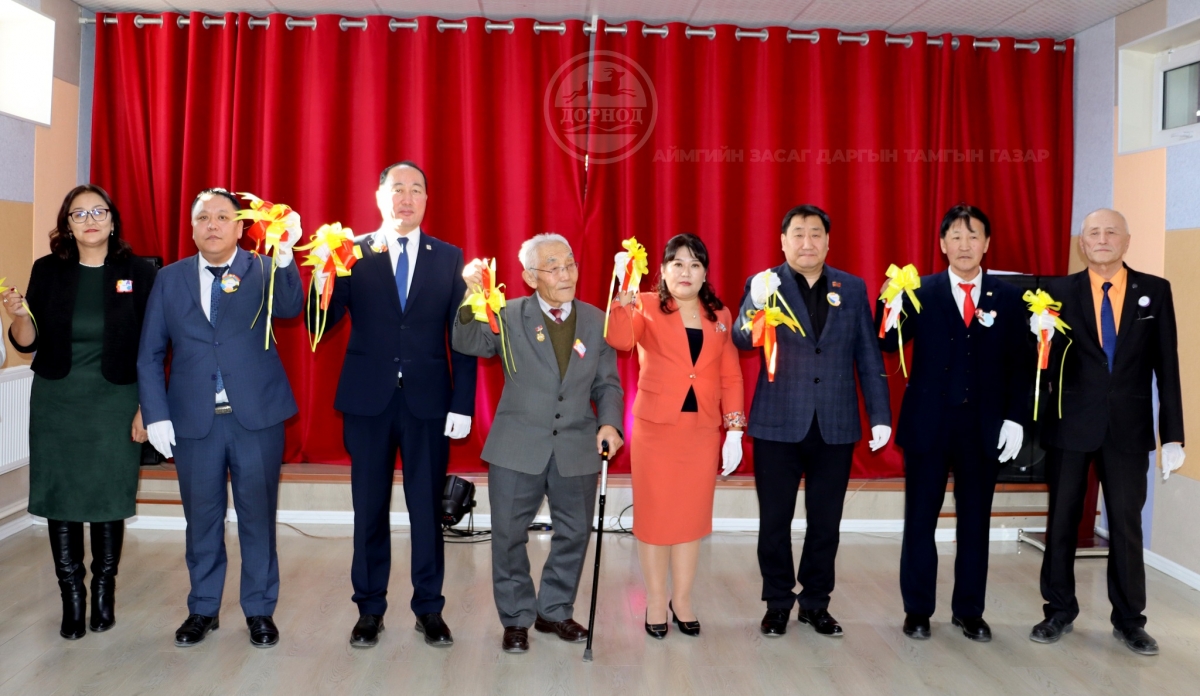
column 540, row 414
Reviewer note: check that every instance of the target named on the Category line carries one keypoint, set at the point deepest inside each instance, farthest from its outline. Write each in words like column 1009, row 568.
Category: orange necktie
column 968, row 303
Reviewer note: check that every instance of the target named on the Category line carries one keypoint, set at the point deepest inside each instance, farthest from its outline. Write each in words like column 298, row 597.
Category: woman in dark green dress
column 87, row 298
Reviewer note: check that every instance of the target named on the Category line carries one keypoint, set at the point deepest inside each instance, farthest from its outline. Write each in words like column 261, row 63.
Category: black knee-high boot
column 107, row 538
column 66, row 543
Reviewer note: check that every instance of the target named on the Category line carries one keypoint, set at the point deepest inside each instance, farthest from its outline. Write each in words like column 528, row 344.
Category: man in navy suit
column 225, row 407
column 806, row 421
column 401, row 388
column 968, row 389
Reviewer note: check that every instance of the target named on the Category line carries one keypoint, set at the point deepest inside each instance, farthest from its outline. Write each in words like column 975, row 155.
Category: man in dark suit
column 225, row 407
column 401, row 387
column 805, row 422
column 1123, row 327
column 968, row 389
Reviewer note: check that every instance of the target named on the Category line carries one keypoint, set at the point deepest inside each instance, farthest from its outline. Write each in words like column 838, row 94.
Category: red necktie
column 968, row 303
column 556, row 313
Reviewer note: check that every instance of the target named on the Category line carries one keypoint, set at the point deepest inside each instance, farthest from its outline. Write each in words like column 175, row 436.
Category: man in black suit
column 1123, row 327
column 965, row 409
column 401, row 387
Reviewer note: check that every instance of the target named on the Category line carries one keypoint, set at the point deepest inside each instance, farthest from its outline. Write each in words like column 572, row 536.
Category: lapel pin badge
column 428, row 247
column 989, row 293
column 837, row 284
column 230, row 283
column 1144, row 301
column 580, row 348
column 125, row 286
column 835, row 300
column 986, row 318
column 721, row 327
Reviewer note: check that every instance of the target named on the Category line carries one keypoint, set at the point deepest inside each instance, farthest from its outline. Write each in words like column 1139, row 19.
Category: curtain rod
column 344, row 24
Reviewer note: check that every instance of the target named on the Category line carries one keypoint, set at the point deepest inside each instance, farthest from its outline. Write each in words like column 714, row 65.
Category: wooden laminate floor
column 315, row 615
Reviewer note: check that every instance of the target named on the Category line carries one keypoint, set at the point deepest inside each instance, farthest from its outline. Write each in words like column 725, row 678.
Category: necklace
column 88, row 265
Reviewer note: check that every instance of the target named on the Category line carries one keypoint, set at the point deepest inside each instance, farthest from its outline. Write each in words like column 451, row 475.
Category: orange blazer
column 666, row 363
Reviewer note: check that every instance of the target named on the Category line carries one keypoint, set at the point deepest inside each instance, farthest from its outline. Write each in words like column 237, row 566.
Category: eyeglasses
column 81, row 216
column 569, row 269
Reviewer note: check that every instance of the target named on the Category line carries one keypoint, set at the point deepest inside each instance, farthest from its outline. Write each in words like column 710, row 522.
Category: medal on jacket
column 230, row 283
column 835, row 300
column 540, row 336
column 579, row 347
column 986, row 318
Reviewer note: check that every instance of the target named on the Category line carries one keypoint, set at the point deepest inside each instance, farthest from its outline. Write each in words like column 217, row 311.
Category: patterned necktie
column 968, row 303
column 402, row 273
column 1108, row 326
column 214, row 297
column 556, row 314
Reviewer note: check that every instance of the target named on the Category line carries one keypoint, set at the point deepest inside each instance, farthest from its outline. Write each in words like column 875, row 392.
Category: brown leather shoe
column 516, row 639
column 568, row 630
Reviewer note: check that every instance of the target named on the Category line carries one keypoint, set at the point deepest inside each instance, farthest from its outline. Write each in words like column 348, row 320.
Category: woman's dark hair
column 708, row 298
column 965, row 212
column 62, row 241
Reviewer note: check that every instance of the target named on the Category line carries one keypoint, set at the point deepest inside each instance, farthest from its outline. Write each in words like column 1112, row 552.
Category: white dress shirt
column 959, row 295
column 566, row 307
column 206, row 281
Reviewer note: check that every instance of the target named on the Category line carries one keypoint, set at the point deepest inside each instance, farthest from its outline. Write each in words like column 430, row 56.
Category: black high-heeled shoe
column 655, row 631
column 687, row 628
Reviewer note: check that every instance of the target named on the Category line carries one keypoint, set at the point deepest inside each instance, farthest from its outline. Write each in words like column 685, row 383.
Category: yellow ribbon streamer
column 637, row 266
column 1040, row 302
column 267, row 229
column 486, row 303
column 23, row 304
column 900, row 280
column 334, row 253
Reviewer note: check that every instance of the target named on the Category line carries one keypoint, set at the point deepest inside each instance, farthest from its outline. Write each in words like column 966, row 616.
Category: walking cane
column 587, row 651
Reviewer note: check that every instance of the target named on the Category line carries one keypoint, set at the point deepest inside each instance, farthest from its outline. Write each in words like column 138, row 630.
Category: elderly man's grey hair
column 528, row 252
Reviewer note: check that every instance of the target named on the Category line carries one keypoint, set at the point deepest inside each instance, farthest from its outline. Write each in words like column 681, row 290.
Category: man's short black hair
column 403, row 163
column 965, row 212
column 805, row 211
column 216, row 191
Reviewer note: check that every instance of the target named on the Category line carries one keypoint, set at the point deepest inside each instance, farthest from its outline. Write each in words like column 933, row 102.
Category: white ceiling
column 1019, row 18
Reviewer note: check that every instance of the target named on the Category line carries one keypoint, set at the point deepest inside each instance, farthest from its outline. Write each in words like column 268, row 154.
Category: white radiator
column 15, row 383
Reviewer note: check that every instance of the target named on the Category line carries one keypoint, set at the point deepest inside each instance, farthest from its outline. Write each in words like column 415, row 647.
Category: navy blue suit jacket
column 385, row 340
column 815, row 374
column 998, row 366
column 255, row 381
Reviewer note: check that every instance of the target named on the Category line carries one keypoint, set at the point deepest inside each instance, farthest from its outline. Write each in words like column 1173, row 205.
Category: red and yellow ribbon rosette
column 630, row 267
column 762, row 323
column 268, row 226
column 486, row 302
column 24, row 304
column 901, row 281
column 1041, row 304
column 333, row 253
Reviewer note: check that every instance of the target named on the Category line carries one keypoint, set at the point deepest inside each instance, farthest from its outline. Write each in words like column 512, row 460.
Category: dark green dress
column 83, row 466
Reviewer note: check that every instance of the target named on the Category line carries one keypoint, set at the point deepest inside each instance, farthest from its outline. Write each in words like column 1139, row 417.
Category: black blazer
column 997, row 362
column 1120, row 404
column 53, row 284
column 385, row 340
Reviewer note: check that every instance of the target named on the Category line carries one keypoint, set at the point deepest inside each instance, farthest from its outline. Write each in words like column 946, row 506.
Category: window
column 26, row 62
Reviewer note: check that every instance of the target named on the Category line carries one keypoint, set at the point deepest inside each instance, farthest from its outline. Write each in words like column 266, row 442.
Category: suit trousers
column 1123, row 480
column 251, row 460
column 372, row 442
column 960, row 449
column 778, row 468
column 515, row 498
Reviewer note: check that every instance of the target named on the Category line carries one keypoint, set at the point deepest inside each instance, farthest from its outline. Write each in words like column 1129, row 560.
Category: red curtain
column 732, row 134
column 885, row 138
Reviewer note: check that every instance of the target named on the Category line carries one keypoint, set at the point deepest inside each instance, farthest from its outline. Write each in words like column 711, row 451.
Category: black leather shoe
column 687, row 628
column 821, row 621
column 263, row 633
column 656, row 631
column 436, row 632
column 365, row 633
column 774, row 623
column 976, row 629
column 516, row 639
column 1137, row 640
column 568, row 630
column 194, row 628
column 916, row 626
column 1050, row 630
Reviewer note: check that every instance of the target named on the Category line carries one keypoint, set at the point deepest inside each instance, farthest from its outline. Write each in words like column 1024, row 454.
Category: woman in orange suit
column 689, row 386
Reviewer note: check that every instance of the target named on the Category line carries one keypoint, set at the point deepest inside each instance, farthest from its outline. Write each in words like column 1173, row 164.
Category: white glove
column 292, row 234
column 895, row 306
column 457, row 426
column 162, row 436
column 1011, row 437
column 731, row 452
column 760, row 290
column 1041, row 322
column 880, row 434
column 1172, row 458
column 621, row 260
